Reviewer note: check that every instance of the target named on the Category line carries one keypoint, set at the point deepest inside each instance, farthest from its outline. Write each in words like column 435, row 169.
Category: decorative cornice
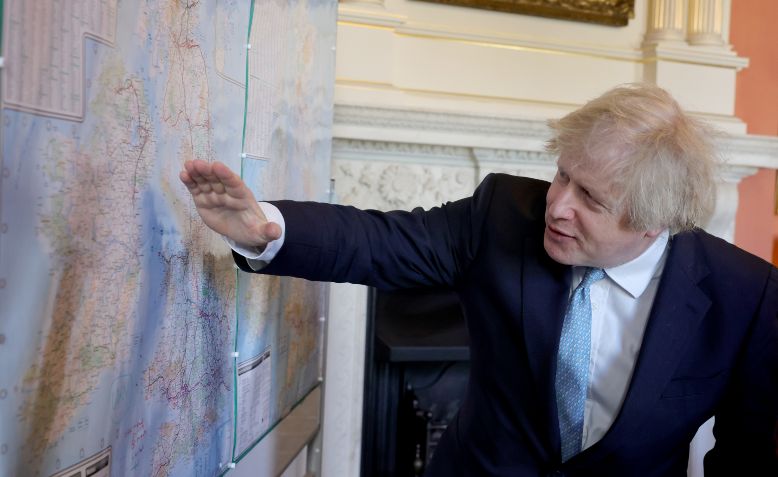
column 721, row 57
column 400, row 152
column 511, row 156
column 417, row 120
column 396, row 148
column 369, row 15
column 750, row 150
column 497, row 40
column 729, row 173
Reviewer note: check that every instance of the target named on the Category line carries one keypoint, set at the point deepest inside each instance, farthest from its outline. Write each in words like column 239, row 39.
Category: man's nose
column 560, row 204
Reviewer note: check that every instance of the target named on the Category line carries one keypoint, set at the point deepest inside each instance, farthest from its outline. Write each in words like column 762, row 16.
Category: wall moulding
column 750, row 151
column 402, row 152
column 504, row 40
column 401, row 26
column 368, row 14
column 454, row 129
column 693, row 55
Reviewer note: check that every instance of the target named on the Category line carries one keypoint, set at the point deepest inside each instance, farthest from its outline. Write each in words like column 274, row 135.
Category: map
column 130, row 343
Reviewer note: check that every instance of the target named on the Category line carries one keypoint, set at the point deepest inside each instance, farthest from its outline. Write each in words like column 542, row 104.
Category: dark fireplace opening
column 416, row 372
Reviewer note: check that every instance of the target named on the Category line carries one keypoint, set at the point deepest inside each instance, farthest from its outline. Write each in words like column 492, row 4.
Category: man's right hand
column 226, row 204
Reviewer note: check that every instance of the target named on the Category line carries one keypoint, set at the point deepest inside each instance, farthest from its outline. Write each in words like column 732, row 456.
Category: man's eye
column 592, row 200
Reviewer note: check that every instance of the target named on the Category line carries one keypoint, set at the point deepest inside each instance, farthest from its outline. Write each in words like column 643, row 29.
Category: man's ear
column 653, row 233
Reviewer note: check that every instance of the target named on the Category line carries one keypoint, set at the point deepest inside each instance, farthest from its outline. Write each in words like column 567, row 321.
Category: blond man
column 605, row 326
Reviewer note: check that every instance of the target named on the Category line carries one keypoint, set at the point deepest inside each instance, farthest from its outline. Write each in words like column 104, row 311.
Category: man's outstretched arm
column 226, row 204
column 326, row 242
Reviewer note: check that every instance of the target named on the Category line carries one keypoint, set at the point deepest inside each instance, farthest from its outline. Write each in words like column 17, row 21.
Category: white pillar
column 344, row 381
column 706, row 22
column 666, row 21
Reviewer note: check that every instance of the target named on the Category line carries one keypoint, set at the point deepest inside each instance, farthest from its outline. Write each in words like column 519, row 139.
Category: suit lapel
column 545, row 290
column 678, row 308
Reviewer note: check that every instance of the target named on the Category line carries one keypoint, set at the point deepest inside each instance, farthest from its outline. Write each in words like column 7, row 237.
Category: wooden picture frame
column 604, row 12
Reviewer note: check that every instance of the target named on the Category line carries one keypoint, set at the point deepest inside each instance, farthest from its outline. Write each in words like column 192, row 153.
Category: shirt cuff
column 256, row 257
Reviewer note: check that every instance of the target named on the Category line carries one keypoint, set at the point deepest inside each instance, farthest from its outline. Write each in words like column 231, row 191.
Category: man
column 605, row 327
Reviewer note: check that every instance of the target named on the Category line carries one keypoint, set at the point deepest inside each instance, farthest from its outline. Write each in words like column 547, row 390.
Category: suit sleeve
column 745, row 426
column 387, row 250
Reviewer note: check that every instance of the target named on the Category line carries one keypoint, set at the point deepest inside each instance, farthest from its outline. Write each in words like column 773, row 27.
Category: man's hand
column 226, row 204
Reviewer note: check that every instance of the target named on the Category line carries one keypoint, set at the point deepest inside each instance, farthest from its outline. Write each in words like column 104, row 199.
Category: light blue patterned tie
column 572, row 373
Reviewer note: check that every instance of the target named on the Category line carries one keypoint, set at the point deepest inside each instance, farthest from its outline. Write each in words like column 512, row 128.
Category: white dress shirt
column 621, row 303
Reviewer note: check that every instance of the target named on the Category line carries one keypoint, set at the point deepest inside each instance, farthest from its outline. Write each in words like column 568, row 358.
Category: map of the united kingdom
column 129, row 343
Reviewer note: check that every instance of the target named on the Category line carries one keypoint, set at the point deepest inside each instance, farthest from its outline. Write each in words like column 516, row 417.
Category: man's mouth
column 557, row 233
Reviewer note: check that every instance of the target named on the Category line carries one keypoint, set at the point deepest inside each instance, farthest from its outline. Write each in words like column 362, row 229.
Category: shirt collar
column 635, row 275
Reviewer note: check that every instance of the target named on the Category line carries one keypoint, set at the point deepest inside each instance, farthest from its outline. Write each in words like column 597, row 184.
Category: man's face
column 584, row 223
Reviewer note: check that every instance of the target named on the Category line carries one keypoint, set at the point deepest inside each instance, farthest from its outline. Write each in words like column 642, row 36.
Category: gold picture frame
column 604, row 12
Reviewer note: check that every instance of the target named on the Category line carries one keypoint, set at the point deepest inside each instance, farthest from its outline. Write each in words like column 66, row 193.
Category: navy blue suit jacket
column 710, row 345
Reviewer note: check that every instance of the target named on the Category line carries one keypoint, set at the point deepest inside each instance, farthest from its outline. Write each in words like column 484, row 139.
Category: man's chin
column 556, row 252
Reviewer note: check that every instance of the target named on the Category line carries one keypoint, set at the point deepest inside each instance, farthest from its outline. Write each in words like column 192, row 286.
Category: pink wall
column 753, row 34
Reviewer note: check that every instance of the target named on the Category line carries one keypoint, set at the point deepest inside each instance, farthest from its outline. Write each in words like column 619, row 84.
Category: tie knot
column 592, row 275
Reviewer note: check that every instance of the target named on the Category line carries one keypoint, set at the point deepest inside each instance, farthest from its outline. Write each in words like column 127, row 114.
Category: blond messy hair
column 662, row 161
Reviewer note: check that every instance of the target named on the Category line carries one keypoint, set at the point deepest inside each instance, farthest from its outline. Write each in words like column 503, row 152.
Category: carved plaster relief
column 388, row 186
